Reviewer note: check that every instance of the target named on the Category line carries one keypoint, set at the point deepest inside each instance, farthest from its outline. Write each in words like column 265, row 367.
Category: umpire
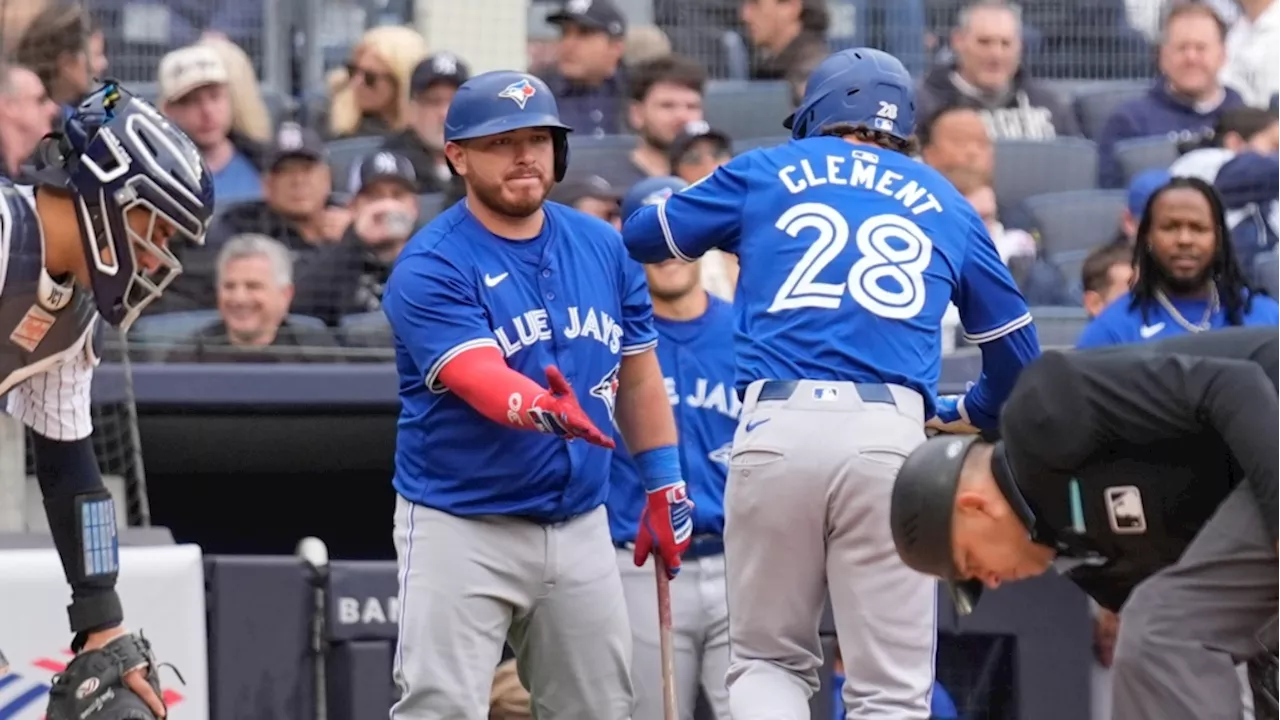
column 1149, row 473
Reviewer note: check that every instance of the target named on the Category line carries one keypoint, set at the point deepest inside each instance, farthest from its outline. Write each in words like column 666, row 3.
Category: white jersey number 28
column 887, row 280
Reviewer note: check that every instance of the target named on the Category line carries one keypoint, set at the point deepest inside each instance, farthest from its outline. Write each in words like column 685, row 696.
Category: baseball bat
column 670, row 708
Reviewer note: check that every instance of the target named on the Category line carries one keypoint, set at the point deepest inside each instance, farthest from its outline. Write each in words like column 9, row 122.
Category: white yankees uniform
column 47, row 352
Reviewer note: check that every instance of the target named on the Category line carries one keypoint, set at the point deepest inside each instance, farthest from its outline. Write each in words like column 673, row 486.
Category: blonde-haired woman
column 372, row 95
column 249, row 114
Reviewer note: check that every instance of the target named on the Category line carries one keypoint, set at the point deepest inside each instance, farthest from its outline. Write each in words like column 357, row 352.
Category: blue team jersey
column 697, row 366
column 570, row 298
column 849, row 255
column 1119, row 324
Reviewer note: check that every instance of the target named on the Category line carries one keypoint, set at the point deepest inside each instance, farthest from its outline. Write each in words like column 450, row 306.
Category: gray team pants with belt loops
column 700, row 635
column 807, row 513
column 552, row 591
column 1184, row 629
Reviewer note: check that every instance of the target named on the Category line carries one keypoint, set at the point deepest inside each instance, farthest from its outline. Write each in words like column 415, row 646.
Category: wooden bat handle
column 670, row 708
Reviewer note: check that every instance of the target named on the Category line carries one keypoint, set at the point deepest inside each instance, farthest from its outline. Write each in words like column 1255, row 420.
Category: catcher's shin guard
column 93, row 688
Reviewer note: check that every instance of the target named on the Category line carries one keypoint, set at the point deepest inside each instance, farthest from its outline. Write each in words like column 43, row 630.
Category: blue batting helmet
column 650, row 191
column 861, row 86
column 501, row 101
column 116, row 153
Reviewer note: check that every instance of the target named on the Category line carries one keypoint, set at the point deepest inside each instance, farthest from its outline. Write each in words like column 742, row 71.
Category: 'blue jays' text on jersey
column 697, row 366
column 848, row 258
column 570, row 298
column 1119, row 323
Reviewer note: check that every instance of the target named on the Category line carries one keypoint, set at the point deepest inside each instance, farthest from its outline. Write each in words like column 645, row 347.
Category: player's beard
column 653, row 141
column 1183, row 286
column 511, row 204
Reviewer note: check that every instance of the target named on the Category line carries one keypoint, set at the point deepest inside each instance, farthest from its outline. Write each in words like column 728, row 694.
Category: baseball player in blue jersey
column 850, row 252
column 695, row 350
column 500, row 528
column 113, row 190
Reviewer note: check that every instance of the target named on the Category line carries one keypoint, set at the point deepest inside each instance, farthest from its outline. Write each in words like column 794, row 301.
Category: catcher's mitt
column 93, row 688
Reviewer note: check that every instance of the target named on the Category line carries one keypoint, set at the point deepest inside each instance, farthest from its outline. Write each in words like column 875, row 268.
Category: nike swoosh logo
column 1149, row 331
column 756, row 423
column 493, row 280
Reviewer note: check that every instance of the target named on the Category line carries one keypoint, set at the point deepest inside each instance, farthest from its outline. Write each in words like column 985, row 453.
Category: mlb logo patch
column 883, row 124
column 1125, row 513
column 657, row 197
column 519, row 92
column 825, row 393
column 32, row 328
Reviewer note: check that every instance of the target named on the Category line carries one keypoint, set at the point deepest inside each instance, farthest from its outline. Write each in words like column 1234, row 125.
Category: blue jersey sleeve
column 638, row 333
column 435, row 313
column 995, row 318
column 703, row 216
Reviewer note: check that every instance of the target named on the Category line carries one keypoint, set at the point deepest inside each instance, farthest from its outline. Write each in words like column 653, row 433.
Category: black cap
column 383, row 165
column 440, row 67
column 295, row 141
column 575, row 188
column 922, row 508
column 692, row 133
column 600, row 15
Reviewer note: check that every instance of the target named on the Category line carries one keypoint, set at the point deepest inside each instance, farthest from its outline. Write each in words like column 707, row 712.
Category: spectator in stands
column 1253, row 52
column 96, row 48
column 193, row 85
column 26, row 116
column 698, row 150
column 1040, row 281
column 371, row 95
column 249, row 114
column 1141, row 188
column 666, row 95
column 1186, row 99
column 297, row 208
column 643, row 44
column 1250, row 184
column 695, row 153
column 509, row 700
column 1237, row 130
column 1188, row 279
column 590, row 194
column 956, row 137
column 589, row 79
column 56, row 47
column 788, row 39
column 988, row 77
column 431, row 89
column 348, row 278
column 1106, row 275
column 255, row 288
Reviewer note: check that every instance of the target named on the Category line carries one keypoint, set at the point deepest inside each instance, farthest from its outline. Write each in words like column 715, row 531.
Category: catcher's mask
column 116, row 154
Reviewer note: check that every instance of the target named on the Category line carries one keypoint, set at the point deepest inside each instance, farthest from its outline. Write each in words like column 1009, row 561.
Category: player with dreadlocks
column 1188, row 279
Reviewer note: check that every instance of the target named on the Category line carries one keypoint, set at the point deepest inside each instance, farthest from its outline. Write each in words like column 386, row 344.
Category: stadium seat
column 1149, row 153
column 749, row 109
column 1033, row 167
column 586, row 150
column 1266, row 272
column 429, row 206
column 1093, row 106
column 346, row 152
column 741, row 146
column 365, row 330
column 1077, row 219
column 1059, row 326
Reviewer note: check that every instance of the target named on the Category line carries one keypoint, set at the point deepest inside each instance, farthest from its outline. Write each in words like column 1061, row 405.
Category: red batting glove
column 559, row 413
column 666, row 526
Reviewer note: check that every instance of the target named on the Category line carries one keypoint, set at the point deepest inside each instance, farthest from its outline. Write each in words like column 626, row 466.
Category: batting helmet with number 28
column 501, row 101
column 861, row 86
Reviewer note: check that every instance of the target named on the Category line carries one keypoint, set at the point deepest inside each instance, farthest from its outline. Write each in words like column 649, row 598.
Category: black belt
column 785, row 389
column 700, row 547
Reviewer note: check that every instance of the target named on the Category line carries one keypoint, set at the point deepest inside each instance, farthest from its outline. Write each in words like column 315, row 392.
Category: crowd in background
column 1176, row 98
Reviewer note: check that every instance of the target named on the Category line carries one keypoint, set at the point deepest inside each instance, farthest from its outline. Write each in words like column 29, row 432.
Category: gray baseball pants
column 1184, row 629
column 807, row 514
column 467, row 585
